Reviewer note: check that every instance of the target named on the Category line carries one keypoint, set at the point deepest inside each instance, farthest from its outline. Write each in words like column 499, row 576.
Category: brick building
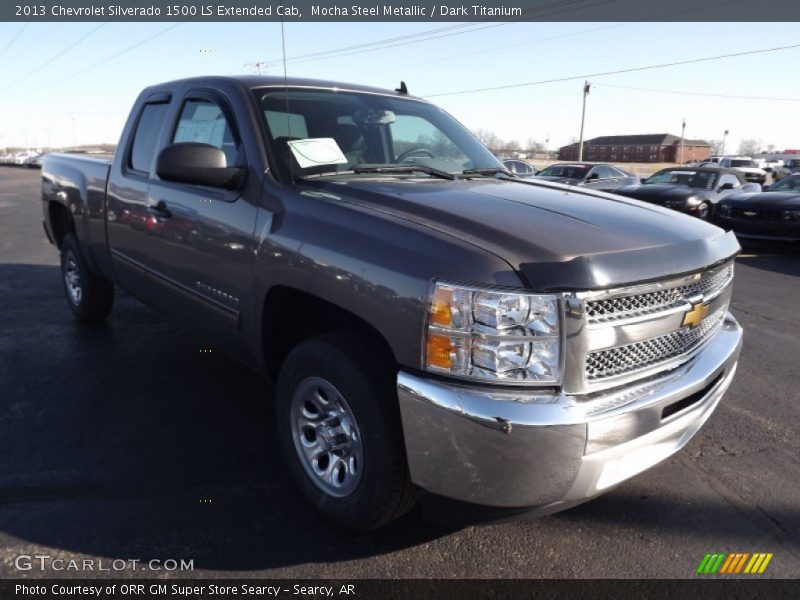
column 655, row 147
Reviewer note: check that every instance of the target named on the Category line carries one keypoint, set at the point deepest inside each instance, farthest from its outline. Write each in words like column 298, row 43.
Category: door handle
column 160, row 210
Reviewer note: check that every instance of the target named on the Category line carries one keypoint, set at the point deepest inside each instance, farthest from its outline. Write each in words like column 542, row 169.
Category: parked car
column 432, row 323
column 590, row 175
column 789, row 167
column 746, row 166
column 34, row 161
column 6, row 159
column 688, row 189
column 772, row 214
column 520, row 168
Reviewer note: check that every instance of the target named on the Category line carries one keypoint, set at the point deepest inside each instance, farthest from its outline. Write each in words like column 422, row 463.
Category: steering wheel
column 404, row 155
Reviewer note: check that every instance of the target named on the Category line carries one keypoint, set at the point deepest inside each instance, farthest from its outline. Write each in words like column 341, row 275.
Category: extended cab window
column 204, row 122
column 145, row 138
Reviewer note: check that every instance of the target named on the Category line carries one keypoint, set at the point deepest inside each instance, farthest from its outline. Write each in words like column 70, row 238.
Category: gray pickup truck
column 436, row 326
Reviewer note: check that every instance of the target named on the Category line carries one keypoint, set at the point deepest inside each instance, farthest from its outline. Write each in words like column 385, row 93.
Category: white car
column 746, row 166
column 789, row 167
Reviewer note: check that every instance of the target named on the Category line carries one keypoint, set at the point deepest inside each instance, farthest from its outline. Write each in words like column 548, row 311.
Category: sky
column 54, row 93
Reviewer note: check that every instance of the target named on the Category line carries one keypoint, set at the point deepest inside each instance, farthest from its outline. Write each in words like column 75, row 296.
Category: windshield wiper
column 407, row 169
column 488, row 171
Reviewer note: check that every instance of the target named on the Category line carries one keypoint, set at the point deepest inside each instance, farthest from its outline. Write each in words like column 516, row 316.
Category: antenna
column 402, row 89
column 286, row 92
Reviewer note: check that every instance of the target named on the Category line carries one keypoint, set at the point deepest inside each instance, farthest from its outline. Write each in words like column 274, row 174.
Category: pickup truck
column 437, row 329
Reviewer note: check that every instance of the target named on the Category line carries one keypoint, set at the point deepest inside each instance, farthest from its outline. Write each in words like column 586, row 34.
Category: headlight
column 724, row 210
column 493, row 335
column 791, row 215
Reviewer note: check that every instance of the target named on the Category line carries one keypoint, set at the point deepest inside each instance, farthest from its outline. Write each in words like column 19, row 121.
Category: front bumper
column 552, row 450
column 751, row 229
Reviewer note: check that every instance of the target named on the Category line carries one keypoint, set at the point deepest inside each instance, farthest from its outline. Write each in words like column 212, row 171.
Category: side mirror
column 197, row 164
column 725, row 186
column 643, row 180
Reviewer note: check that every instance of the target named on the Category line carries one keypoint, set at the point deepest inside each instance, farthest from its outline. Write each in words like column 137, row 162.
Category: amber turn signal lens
column 440, row 307
column 439, row 351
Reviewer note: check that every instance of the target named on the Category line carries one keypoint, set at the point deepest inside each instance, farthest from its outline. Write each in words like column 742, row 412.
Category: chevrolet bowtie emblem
column 692, row 318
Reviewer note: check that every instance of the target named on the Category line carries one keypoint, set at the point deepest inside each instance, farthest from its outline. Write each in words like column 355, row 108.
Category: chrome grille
column 633, row 305
column 641, row 355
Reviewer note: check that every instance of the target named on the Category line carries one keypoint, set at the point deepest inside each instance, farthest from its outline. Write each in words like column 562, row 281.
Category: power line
column 615, row 72
column 105, row 60
column 686, row 93
column 13, row 39
column 445, row 32
column 56, row 56
column 555, row 37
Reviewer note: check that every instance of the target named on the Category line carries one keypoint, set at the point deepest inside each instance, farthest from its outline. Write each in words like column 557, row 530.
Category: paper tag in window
column 313, row 152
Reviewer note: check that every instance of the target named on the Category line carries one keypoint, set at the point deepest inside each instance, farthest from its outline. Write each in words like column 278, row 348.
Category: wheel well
column 291, row 316
column 61, row 222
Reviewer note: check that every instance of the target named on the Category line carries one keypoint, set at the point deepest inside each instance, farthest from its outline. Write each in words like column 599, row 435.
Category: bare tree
column 771, row 148
column 489, row 139
column 749, row 147
column 716, row 147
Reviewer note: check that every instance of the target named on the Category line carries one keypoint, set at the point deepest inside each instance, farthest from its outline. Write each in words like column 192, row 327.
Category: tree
column 716, row 147
column 489, row 139
column 771, row 148
column 749, row 147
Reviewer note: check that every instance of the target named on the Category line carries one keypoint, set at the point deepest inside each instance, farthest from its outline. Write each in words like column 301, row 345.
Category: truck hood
column 558, row 237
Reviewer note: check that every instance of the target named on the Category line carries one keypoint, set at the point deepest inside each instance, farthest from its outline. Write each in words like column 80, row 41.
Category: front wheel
column 339, row 426
column 704, row 211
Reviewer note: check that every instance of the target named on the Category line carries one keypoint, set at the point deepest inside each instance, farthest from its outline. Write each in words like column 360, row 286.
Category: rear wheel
column 89, row 297
column 339, row 425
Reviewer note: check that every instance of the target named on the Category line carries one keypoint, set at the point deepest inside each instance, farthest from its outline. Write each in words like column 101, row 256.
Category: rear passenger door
column 201, row 248
column 126, row 209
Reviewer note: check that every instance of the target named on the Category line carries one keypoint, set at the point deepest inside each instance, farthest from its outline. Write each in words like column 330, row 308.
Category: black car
column 693, row 190
column 591, row 175
column 773, row 214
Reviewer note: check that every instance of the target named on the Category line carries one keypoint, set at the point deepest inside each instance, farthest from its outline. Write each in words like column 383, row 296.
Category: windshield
column 786, row 184
column 569, row 171
column 693, row 179
column 742, row 163
column 318, row 132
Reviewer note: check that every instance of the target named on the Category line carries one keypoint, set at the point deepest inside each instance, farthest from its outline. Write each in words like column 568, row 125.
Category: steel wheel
column 72, row 278
column 326, row 437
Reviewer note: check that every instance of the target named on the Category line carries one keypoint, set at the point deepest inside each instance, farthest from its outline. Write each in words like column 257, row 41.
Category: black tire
column 90, row 298
column 366, row 379
column 704, row 211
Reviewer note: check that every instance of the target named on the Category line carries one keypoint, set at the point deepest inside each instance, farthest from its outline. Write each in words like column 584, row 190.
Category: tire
column 89, row 297
column 366, row 482
column 704, row 211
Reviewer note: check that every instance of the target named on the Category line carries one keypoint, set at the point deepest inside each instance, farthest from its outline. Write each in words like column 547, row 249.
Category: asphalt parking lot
column 126, row 441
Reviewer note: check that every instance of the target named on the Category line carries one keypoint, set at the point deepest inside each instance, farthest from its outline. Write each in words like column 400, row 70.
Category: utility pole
column 724, row 137
column 74, row 140
column 258, row 66
column 586, row 88
column 547, row 147
column 683, row 135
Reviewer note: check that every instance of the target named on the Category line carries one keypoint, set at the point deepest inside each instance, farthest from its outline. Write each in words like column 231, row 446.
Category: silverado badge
column 693, row 317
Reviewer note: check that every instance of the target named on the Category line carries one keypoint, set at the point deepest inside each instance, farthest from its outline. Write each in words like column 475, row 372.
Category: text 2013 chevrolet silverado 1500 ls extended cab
column 433, row 322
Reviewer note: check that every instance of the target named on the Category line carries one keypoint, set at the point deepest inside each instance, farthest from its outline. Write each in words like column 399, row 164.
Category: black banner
column 505, row 589
column 400, row 10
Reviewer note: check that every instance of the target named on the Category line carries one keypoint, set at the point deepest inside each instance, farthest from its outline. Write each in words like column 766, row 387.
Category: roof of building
column 652, row 139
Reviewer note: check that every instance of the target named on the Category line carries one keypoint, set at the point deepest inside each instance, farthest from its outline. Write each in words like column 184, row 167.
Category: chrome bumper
column 547, row 449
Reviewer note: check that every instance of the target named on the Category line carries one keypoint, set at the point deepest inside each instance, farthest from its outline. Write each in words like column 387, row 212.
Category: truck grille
column 640, row 355
column 625, row 307
column 633, row 331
